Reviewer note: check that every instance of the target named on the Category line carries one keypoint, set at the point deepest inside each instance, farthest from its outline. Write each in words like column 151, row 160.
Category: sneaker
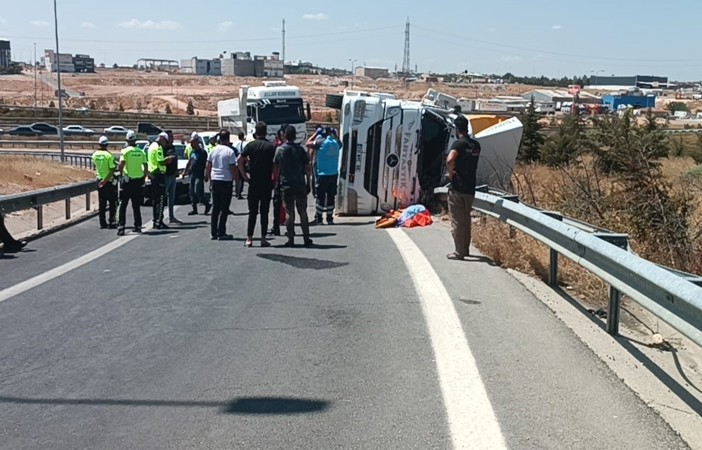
column 163, row 226
column 214, row 238
column 120, row 232
column 454, row 257
column 226, row 237
column 308, row 243
column 175, row 221
column 208, row 207
column 137, row 229
column 330, row 221
column 289, row 244
column 193, row 213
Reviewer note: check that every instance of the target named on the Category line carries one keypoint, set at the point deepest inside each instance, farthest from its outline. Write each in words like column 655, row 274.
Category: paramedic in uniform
column 133, row 167
column 462, row 164
column 326, row 157
column 107, row 189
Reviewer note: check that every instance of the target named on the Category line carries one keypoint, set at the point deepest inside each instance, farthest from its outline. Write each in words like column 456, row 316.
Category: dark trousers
column 158, row 196
column 277, row 207
column 259, row 202
column 326, row 196
column 197, row 192
column 221, row 201
column 296, row 199
column 131, row 191
column 5, row 236
column 107, row 201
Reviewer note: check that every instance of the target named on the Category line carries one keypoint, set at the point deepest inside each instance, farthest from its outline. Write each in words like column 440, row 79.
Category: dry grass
column 550, row 189
column 24, row 173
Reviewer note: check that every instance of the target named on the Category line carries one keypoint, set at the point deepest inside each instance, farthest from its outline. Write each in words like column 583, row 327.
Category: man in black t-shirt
column 258, row 156
column 292, row 169
column 462, row 163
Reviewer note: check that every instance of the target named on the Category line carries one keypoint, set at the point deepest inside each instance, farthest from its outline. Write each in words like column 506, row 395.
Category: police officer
column 157, row 161
column 105, row 167
column 134, row 167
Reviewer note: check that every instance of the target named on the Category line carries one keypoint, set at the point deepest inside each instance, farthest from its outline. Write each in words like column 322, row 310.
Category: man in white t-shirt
column 221, row 172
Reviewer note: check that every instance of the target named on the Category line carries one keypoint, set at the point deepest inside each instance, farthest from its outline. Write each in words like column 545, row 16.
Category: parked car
column 25, row 130
column 116, row 131
column 45, row 128
column 77, row 130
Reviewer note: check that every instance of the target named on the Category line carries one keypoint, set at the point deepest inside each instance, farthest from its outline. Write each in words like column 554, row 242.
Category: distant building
column 560, row 96
column 199, row 66
column 5, row 54
column 628, row 82
column 84, row 64
column 615, row 102
column 58, row 62
column 372, row 72
column 238, row 64
column 269, row 66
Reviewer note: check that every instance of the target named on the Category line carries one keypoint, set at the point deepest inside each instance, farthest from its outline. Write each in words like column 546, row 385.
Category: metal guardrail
column 37, row 199
column 74, row 159
column 673, row 296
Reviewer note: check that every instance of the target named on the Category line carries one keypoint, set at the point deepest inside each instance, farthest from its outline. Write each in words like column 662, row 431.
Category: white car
column 77, row 130
column 115, row 130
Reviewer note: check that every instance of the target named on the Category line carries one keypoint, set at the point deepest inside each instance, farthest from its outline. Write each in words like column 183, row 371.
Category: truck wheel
column 334, row 101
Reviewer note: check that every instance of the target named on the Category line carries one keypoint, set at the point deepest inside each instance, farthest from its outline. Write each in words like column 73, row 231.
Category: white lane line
column 65, row 268
column 472, row 421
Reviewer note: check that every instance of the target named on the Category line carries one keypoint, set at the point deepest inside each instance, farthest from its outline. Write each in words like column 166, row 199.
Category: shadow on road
column 630, row 346
column 239, row 406
column 303, row 263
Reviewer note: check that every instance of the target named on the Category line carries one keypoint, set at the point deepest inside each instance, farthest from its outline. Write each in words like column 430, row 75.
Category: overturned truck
column 394, row 151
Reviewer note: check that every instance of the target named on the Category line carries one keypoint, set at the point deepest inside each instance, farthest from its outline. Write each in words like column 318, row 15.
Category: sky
column 524, row 37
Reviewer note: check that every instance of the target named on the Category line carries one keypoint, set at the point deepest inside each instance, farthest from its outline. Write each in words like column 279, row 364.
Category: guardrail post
column 615, row 297
column 553, row 255
column 40, row 217
column 68, row 208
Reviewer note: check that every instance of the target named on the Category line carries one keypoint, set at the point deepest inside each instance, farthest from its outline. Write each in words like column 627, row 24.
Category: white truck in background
column 275, row 103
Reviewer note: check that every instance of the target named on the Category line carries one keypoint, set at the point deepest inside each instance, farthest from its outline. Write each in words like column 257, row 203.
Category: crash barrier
column 37, row 199
column 673, row 296
column 74, row 159
column 55, row 144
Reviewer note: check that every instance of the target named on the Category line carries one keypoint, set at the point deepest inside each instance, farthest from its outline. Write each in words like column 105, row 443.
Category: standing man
column 221, row 171
column 326, row 156
column 259, row 156
column 134, row 167
column 107, row 189
column 157, row 173
column 197, row 165
column 171, row 177
column 462, row 164
column 239, row 183
column 277, row 190
column 292, row 169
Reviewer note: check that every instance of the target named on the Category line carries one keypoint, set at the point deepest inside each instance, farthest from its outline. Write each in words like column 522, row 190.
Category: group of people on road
column 283, row 171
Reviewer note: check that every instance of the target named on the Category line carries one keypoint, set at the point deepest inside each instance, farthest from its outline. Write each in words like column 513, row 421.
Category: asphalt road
column 175, row 341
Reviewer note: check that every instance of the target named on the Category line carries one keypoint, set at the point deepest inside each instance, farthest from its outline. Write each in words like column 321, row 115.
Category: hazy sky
column 525, row 37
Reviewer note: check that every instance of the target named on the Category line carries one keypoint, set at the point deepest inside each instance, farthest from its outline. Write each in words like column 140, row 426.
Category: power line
column 548, row 52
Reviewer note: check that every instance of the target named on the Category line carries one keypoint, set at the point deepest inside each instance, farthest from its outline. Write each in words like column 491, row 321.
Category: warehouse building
column 558, row 96
column 241, row 64
column 5, row 54
column 615, row 102
column 372, row 72
column 628, row 82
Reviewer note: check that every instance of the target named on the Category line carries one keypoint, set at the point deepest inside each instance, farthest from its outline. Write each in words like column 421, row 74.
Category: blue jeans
column 197, row 192
column 171, row 194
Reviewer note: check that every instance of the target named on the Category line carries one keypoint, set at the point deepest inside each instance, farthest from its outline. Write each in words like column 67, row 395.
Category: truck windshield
column 279, row 113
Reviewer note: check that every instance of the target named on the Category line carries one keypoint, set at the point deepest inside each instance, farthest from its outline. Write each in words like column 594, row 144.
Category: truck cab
column 394, row 151
column 275, row 103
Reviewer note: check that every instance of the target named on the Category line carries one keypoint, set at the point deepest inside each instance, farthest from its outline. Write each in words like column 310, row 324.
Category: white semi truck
column 394, row 151
column 275, row 103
